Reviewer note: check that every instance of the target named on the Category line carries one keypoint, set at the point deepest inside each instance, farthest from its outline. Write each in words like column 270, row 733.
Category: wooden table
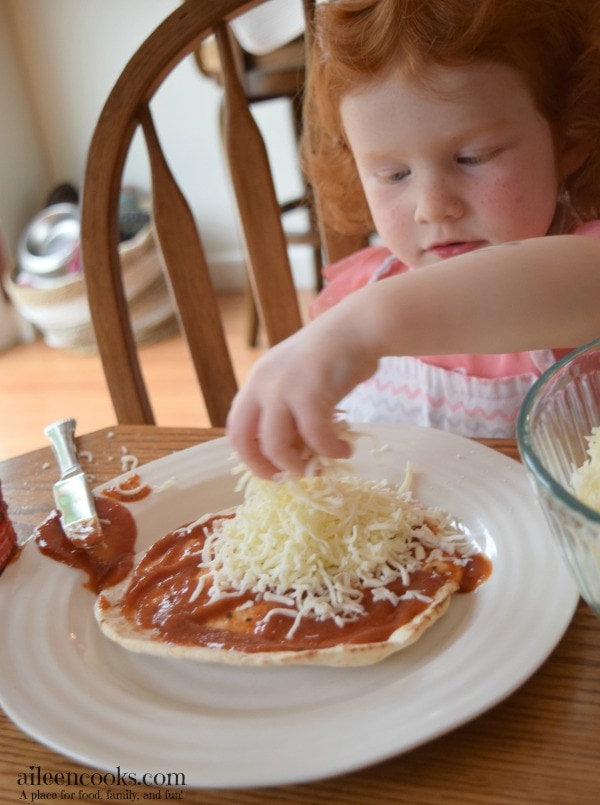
column 538, row 746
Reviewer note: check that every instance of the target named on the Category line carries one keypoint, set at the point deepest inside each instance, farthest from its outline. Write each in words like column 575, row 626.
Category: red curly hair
column 554, row 45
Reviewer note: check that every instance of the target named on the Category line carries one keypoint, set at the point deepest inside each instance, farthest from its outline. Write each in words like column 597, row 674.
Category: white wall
column 24, row 171
column 58, row 61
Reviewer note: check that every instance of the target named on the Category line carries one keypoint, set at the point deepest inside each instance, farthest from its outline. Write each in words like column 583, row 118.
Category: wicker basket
column 61, row 312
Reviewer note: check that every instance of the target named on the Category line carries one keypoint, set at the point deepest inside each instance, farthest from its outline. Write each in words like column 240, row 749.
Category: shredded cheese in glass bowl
column 586, row 478
column 559, row 439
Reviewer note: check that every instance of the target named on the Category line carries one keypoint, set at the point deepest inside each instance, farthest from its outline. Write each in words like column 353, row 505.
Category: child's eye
column 476, row 159
column 397, row 176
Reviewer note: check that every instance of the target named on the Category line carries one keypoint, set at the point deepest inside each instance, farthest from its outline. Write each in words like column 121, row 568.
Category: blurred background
column 58, row 62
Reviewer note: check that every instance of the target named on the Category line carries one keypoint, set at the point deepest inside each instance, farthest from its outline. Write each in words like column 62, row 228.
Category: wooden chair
column 126, row 110
column 274, row 75
column 277, row 74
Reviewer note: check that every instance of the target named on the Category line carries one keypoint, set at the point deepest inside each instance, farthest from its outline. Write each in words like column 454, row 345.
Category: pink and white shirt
column 473, row 395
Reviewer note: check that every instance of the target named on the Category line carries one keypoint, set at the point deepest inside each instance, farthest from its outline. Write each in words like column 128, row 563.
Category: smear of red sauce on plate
column 129, row 490
column 106, row 563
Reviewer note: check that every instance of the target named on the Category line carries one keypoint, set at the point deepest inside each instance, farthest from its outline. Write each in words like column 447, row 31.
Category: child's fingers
column 242, row 429
column 290, row 438
column 280, row 441
column 275, row 438
column 321, row 434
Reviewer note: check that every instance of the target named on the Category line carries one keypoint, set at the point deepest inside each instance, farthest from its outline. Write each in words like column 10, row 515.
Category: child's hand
column 286, row 410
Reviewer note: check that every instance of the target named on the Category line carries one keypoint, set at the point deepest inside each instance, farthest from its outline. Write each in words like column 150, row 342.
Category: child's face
column 463, row 162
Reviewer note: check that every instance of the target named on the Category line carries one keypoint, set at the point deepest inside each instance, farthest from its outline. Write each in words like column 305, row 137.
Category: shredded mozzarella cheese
column 129, row 462
column 585, row 480
column 168, row 484
column 313, row 544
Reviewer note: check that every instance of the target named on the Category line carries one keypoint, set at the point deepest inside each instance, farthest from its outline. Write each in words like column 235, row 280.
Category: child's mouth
column 445, row 250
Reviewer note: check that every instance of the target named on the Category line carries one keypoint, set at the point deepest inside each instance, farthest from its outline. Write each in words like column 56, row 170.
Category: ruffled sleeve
column 353, row 272
column 591, row 228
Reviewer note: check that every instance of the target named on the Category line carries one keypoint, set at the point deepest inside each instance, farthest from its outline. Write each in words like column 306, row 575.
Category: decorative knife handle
column 62, row 436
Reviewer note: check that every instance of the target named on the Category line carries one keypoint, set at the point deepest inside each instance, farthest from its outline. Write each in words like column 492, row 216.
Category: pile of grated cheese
column 313, row 544
column 585, row 480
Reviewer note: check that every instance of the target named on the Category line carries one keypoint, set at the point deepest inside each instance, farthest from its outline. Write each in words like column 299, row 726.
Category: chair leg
column 253, row 324
column 317, row 250
column 253, row 318
column 313, row 224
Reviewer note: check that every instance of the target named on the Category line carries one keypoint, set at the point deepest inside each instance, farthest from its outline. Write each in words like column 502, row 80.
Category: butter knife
column 72, row 495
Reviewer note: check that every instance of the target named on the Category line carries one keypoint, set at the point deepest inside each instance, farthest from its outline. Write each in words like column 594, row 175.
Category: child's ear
column 574, row 153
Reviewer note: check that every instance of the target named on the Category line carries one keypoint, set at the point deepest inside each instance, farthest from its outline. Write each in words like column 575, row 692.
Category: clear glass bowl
column 557, row 415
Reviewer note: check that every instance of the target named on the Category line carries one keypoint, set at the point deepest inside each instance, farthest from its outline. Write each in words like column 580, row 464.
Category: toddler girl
column 466, row 133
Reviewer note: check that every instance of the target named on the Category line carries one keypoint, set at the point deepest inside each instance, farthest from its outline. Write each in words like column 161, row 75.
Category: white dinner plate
column 74, row 690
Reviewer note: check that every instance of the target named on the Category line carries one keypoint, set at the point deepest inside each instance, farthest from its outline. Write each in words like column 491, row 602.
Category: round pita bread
column 125, row 631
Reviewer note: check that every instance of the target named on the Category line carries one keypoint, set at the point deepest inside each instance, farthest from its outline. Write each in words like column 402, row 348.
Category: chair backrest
column 127, row 110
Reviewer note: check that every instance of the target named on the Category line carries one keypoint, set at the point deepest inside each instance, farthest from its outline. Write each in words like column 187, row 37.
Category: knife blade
column 72, row 495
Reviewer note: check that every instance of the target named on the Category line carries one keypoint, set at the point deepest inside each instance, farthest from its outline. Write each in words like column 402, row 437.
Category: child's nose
column 437, row 200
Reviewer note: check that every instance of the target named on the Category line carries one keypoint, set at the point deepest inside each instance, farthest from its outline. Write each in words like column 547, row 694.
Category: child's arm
column 535, row 294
